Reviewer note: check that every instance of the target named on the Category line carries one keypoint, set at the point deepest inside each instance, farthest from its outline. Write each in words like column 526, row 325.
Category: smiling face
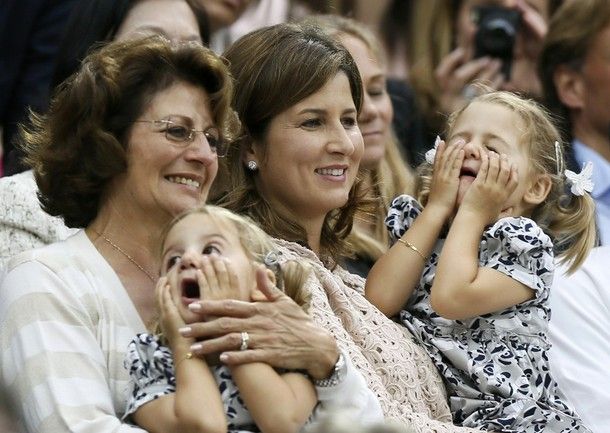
column 309, row 157
column 375, row 119
column 193, row 237
column 173, row 19
column 165, row 178
column 489, row 127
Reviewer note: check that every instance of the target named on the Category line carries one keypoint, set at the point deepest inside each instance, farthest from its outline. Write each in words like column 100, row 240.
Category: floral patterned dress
column 151, row 369
column 495, row 366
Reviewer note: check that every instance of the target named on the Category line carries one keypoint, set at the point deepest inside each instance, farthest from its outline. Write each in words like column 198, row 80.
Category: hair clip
column 272, row 262
column 580, row 182
column 558, row 157
column 431, row 154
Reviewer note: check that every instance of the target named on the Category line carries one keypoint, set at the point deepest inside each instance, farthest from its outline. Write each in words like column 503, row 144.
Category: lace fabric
column 396, row 368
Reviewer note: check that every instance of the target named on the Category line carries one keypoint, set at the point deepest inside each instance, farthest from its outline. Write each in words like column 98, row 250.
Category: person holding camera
column 463, row 42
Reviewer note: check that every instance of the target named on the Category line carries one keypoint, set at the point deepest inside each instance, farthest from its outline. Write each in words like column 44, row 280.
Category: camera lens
column 496, row 33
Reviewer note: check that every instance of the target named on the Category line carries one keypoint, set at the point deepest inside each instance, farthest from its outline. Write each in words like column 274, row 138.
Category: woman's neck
column 129, row 243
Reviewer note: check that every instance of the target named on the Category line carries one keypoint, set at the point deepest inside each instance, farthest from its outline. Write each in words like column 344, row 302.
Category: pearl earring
column 252, row 165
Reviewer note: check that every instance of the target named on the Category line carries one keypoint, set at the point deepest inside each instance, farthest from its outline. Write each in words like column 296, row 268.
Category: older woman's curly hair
column 81, row 143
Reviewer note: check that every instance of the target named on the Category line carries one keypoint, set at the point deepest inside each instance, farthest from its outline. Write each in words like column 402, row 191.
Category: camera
column 496, row 33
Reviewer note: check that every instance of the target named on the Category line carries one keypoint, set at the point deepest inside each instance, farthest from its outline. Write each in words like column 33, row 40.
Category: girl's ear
column 256, row 295
column 538, row 190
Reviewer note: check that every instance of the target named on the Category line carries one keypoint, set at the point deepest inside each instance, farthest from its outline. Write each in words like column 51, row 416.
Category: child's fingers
column 438, row 158
column 161, row 283
column 222, row 273
column 458, row 159
column 505, row 170
column 204, row 289
column 513, row 179
column 210, row 273
column 484, row 168
column 494, row 168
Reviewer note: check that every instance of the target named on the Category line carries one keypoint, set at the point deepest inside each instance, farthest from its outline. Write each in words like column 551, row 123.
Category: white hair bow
column 431, row 154
column 580, row 182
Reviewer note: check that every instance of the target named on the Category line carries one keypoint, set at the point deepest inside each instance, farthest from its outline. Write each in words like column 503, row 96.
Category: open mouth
column 467, row 172
column 190, row 289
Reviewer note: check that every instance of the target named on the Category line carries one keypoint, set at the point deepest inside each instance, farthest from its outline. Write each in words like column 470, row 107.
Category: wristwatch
column 336, row 376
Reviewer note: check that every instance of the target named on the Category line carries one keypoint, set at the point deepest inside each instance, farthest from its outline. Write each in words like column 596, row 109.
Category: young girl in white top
column 473, row 262
column 212, row 253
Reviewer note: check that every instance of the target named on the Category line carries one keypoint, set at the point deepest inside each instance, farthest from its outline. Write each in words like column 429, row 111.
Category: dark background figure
column 38, row 51
column 30, row 32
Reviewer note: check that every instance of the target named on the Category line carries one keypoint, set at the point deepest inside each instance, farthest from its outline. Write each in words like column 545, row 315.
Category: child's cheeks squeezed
column 489, row 194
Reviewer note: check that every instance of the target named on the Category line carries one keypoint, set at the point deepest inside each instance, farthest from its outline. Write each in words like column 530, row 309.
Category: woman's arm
column 278, row 403
column 53, row 362
column 196, row 405
column 461, row 288
column 392, row 279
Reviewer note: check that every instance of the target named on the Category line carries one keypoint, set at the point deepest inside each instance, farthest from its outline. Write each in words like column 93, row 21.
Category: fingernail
column 223, row 357
column 195, row 307
column 185, row 330
column 437, row 141
column 196, row 347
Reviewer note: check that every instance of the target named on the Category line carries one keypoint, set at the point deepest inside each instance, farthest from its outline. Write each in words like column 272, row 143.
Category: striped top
column 65, row 323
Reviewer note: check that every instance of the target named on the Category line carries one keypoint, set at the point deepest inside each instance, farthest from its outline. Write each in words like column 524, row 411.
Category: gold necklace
column 120, row 250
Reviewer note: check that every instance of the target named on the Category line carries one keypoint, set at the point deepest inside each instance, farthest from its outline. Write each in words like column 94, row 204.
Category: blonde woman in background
column 383, row 170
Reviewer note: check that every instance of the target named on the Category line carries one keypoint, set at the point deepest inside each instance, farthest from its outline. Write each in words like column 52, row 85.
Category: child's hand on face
column 217, row 279
column 445, row 177
column 170, row 318
column 495, row 182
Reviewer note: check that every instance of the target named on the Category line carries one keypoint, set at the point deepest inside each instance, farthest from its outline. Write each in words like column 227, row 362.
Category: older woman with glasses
column 129, row 142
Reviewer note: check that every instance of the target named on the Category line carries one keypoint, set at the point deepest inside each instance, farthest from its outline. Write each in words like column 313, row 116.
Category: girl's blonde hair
column 569, row 219
column 259, row 247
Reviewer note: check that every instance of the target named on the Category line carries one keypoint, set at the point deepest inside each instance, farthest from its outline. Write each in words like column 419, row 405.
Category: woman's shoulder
column 68, row 253
column 63, row 272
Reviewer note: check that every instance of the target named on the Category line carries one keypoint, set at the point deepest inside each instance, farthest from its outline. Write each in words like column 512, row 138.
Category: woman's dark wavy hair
column 275, row 68
column 81, row 143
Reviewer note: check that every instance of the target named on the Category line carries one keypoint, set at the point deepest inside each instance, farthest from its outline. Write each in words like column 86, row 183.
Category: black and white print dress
column 151, row 370
column 495, row 366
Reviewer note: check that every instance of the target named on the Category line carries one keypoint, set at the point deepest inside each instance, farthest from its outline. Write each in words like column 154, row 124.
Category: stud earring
column 252, row 165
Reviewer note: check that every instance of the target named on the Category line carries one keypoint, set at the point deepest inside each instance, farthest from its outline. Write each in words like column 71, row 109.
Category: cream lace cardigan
column 23, row 223
column 396, row 368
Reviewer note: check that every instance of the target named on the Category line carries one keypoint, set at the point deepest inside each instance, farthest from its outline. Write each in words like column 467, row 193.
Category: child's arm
column 395, row 274
column 461, row 288
column 278, row 403
column 196, row 406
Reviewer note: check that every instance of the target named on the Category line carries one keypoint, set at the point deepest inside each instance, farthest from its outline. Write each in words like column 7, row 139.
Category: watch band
column 336, row 376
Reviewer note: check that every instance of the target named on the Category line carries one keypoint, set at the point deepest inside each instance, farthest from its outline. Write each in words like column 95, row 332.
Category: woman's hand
column 523, row 77
column 495, row 182
column 456, row 73
column 280, row 333
column 445, row 177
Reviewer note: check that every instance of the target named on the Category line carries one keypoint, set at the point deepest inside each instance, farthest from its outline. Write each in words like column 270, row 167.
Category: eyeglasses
column 182, row 135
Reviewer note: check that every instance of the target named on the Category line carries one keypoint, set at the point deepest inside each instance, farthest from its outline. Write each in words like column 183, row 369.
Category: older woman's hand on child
column 281, row 333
